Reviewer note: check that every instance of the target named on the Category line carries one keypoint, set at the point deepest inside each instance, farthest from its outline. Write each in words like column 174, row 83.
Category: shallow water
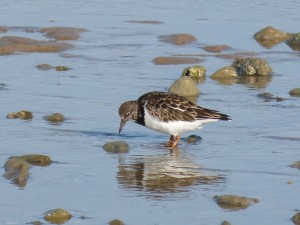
column 111, row 63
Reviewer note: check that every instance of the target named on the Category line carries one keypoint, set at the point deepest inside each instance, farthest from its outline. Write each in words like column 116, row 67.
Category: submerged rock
column 234, row 201
column 57, row 216
column 17, row 170
column 193, row 139
column 252, row 66
column 3, row 29
column 216, row 48
column 196, row 72
column 17, row 167
column 55, row 118
column 294, row 42
column 23, row 115
column 296, row 165
column 62, row 68
column 44, row 67
column 223, row 73
column 116, row 222
column 116, row 147
column 225, row 222
column 174, row 60
column 62, row 33
column 35, row 222
column 295, row 92
column 296, row 218
column 184, row 86
column 144, row 21
column 12, row 44
column 178, row 39
column 270, row 97
column 37, row 160
column 270, row 36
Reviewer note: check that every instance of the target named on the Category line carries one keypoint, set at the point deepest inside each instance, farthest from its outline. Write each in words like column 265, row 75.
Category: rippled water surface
column 111, row 63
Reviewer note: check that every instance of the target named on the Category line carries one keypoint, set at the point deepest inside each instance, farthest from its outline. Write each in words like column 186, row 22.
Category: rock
column 252, row 66
column 23, row 115
column 234, row 201
column 193, row 139
column 116, row 222
column 144, row 21
column 225, row 222
column 12, row 44
column 216, row 48
column 295, row 92
column 294, row 42
column 44, row 67
column 62, row 68
column 270, row 97
column 225, row 72
column 55, row 118
column 270, row 36
column 174, row 60
column 37, row 160
column 178, row 39
column 116, row 147
column 17, row 170
column 3, row 29
column 296, row 165
column 296, row 218
column 196, row 72
column 17, row 167
column 57, row 216
column 236, row 55
column 184, row 86
column 35, row 222
column 62, row 33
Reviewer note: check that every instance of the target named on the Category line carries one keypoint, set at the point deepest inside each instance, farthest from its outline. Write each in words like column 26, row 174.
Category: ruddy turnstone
column 167, row 113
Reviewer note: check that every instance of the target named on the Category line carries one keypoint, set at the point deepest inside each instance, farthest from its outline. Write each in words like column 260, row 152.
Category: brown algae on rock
column 57, row 216
column 12, row 44
column 174, row 60
column 116, row 222
column 55, row 118
column 196, row 72
column 184, row 86
column 62, row 33
column 62, row 68
column 295, row 92
column 116, row 147
column 270, row 36
column 23, row 115
column 178, row 39
column 234, row 202
column 252, row 66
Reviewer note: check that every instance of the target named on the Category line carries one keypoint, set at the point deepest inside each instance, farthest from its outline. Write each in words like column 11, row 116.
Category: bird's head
column 128, row 111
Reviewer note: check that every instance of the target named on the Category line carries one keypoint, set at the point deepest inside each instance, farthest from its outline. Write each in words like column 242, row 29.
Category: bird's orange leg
column 170, row 142
column 176, row 141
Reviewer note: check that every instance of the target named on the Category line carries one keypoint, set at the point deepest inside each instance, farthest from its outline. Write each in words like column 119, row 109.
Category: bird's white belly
column 173, row 127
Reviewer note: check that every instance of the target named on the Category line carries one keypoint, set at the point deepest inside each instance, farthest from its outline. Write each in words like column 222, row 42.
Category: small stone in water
column 193, row 139
column 295, row 92
column 116, row 147
column 296, row 218
column 57, row 216
column 116, row 222
column 55, row 118
column 23, row 115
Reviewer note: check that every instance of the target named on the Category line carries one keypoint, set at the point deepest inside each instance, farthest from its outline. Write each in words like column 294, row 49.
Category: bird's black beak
column 122, row 125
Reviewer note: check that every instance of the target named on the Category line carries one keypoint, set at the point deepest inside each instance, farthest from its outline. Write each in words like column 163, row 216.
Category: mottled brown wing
column 171, row 107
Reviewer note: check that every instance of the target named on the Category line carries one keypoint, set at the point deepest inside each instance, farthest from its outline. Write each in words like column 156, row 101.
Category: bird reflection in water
column 166, row 173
